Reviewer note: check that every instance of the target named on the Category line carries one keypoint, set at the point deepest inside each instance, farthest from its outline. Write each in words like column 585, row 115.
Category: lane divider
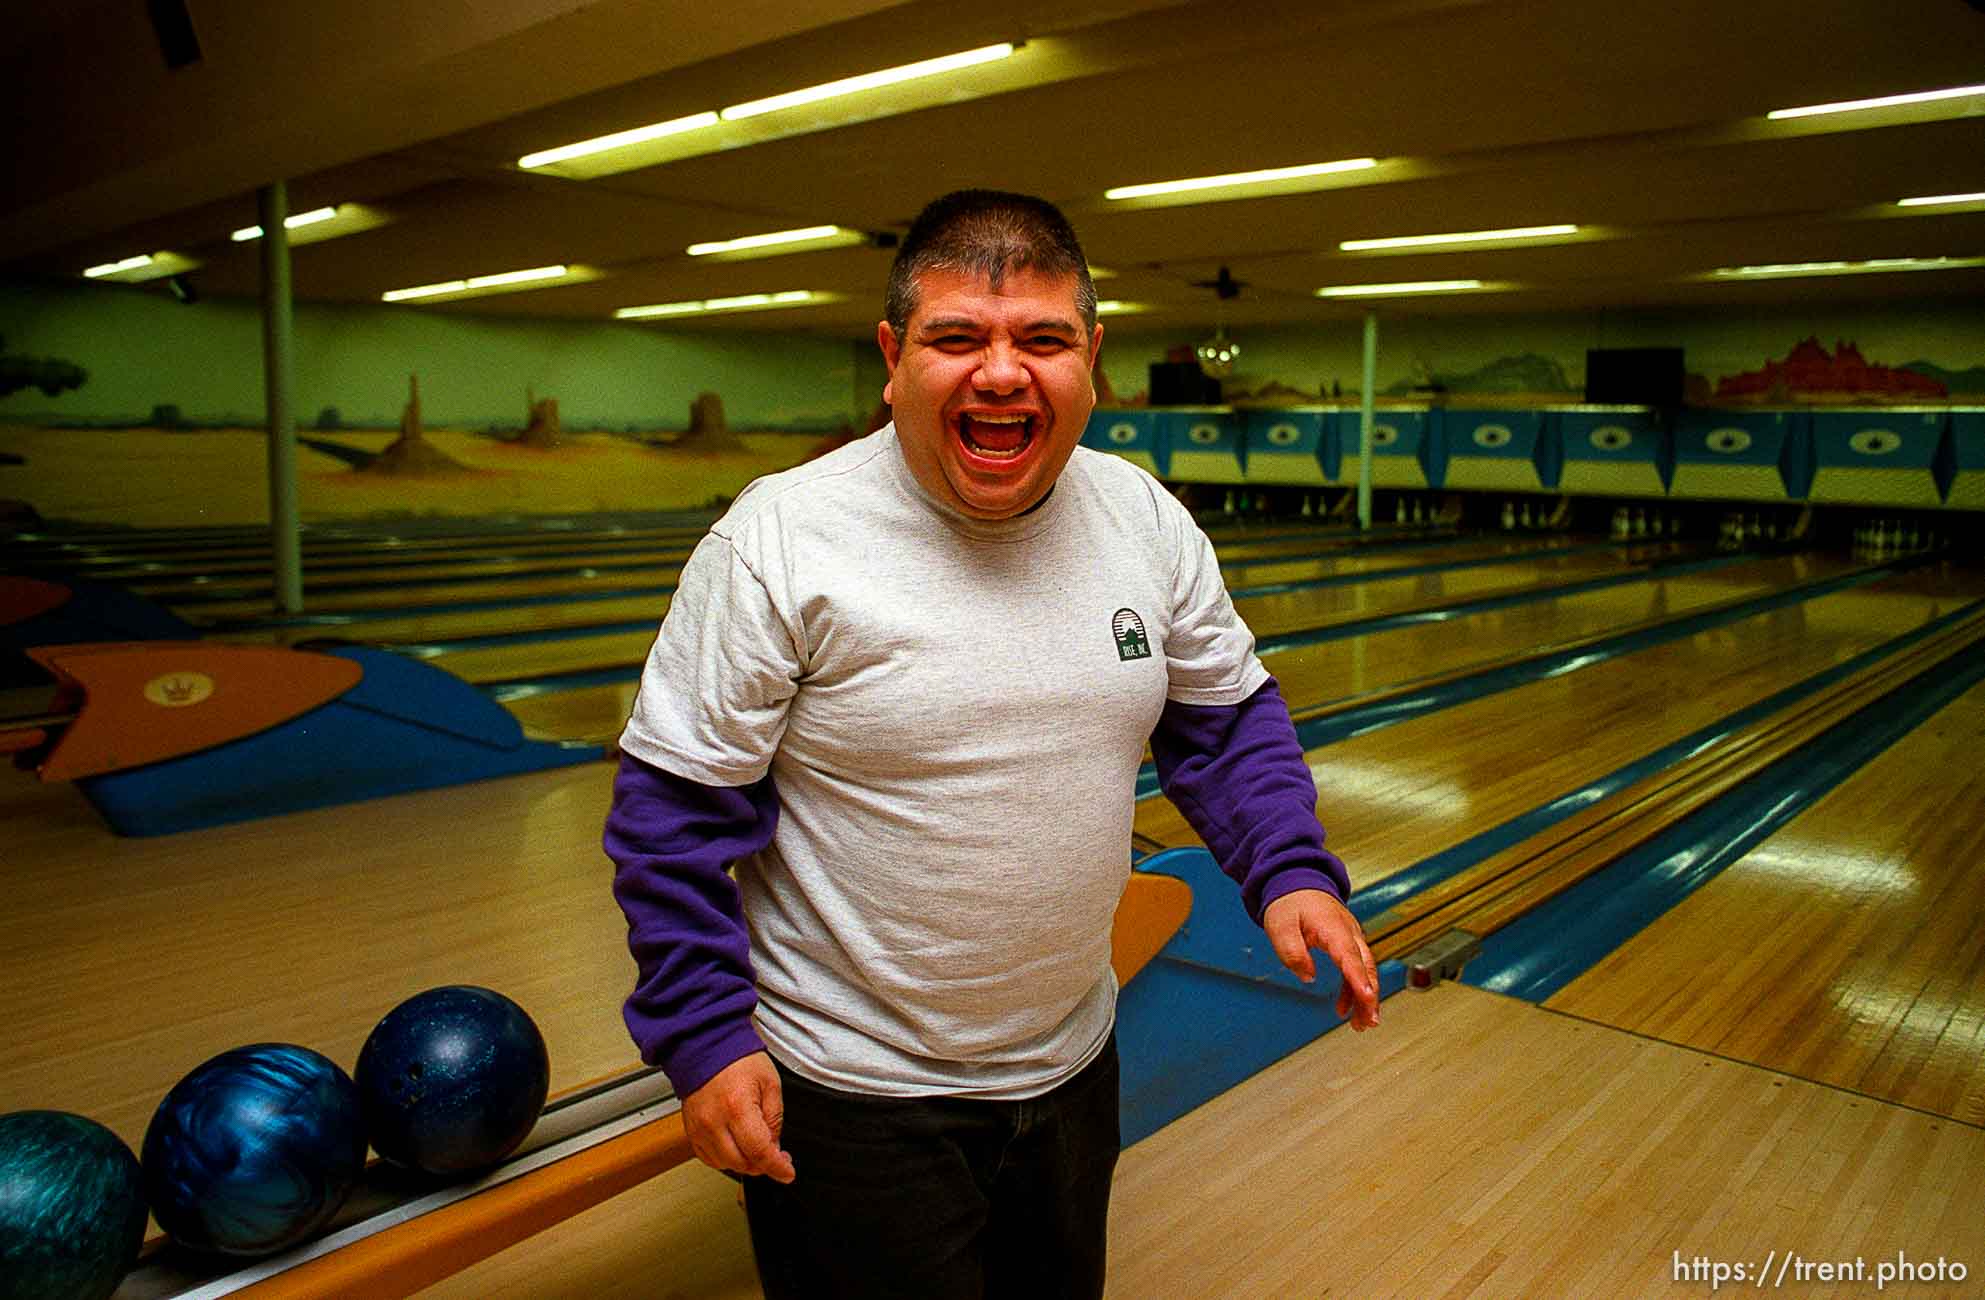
column 1372, row 901
column 1535, row 956
column 1498, row 889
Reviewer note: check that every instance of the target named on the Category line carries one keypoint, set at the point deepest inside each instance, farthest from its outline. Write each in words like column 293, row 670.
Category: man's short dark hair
column 988, row 233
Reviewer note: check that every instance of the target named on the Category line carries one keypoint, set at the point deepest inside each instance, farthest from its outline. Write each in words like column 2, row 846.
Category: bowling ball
column 452, row 1080
column 72, row 1209
column 254, row 1150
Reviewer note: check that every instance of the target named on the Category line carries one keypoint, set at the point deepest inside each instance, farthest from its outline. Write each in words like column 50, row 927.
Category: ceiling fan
column 1218, row 354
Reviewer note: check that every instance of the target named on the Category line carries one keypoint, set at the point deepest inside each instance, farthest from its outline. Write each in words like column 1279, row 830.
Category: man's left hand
column 1311, row 918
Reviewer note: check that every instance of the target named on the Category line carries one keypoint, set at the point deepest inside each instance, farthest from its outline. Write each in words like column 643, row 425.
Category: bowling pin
column 1309, row 506
column 1227, row 505
column 1509, row 515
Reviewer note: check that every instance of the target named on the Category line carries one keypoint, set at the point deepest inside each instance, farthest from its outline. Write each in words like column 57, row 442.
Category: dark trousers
column 941, row 1198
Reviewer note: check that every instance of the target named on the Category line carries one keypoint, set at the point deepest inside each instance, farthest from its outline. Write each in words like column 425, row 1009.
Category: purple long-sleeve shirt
column 1236, row 772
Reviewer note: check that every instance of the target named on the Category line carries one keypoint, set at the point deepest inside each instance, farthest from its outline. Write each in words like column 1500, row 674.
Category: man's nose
column 1000, row 370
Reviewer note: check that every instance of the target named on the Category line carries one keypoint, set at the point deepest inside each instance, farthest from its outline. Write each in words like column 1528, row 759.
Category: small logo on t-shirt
column 1128, row 629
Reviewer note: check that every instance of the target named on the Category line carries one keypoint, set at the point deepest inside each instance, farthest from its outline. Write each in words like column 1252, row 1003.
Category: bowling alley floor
column 1474, row 1145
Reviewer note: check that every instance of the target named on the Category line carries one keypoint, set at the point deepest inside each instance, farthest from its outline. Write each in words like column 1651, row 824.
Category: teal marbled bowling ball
column 254, row 1150
column 452, row 1080
column 72, row 1210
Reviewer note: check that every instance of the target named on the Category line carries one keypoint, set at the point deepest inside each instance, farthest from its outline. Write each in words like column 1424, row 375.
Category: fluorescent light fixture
column 1236, row 180
column 1392, row 290
column 114, row 268
column 141, row 269
column 1885, row 101
column 814, row 236
column 739, row 302
column 476, row 284
column 1459, row 237
column 1101, row 273
column 1118, row 307
column 301, row 219
column 1931, row 200
column 1782, row 269
column 618, row 140
column 867, row 81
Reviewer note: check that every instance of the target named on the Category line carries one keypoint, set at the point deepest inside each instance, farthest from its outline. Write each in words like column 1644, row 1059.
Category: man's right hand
column 734, row 1120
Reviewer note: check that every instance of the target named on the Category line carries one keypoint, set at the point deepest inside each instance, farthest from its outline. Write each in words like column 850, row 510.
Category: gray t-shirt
column 953, row 713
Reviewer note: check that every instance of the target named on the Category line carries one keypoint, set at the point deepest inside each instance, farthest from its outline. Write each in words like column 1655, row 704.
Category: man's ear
column 892, row 352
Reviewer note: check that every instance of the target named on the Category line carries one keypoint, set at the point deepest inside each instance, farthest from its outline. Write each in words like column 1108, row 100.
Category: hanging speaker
column 174, row 27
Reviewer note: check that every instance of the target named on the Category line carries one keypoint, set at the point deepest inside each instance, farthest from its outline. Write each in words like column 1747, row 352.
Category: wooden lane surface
column 595, row 713
column 416, row 628
column 1394, row 797
column 1847, row 948
column 1473, row 1145
column 148, row 543
column 167, row 586
column 1514, row 881
column 604, row 650
column 125, row 962
column 342, row 557
column 1245, row 573
column 1479, row 1146
column 387, row 627
column 145, row 547
column 1272, row 614
column 1352, row 601
column 389, row 601
column 1355, row 665
column 1309, row 675
column 386, row 599
column 376, row 579
column 447, row 626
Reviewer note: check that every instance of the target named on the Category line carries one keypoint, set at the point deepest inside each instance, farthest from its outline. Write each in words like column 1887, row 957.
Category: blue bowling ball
column 72, row 1210
column 452, row 1080
column 254, row 1150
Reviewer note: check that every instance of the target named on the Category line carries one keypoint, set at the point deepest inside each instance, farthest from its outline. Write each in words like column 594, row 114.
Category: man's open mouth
column 996, row 437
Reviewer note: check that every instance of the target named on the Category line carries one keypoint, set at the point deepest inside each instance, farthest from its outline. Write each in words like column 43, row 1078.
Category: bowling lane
column 1498, row 1150
column 594, row 713
column 210, row 603
column 1313, row 674
column 126, row 962
column 1393, row 797
column 1356, row 600
column 335, row 556
column 391, row 598
column 1846, row 948
column 1269, row 614
column 447, row 625
column 1384, row 556
column 1276, row 612
column 198, row 589
column 1309, row 675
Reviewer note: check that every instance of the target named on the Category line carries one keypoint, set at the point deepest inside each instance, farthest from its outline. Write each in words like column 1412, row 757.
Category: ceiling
column 1642, row 124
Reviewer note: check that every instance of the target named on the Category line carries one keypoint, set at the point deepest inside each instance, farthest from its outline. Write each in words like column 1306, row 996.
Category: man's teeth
column 996, row 435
